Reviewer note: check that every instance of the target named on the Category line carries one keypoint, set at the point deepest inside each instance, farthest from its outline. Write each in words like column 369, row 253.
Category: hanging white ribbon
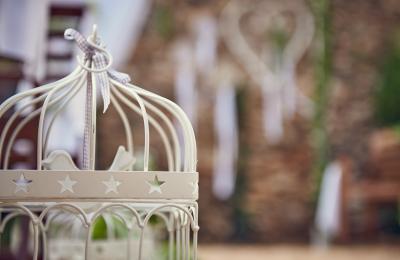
column 185, row 80
column 225, row 122
column 272, row 111
column 327, row 219
column 205, row 46
column 100, row 61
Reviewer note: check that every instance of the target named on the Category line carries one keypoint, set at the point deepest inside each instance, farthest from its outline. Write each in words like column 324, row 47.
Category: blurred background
column 295, row 105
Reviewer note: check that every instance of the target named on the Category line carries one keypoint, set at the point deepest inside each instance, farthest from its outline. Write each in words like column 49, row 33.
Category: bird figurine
column 123, row 160
column 59, row 160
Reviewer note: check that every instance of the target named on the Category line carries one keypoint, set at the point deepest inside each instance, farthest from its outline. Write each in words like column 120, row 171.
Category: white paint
column 111, row 185
column 67, row 184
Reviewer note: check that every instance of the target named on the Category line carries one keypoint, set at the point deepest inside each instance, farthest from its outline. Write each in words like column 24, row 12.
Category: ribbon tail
column 105, row 93
column 119, row 76
column 102, row 80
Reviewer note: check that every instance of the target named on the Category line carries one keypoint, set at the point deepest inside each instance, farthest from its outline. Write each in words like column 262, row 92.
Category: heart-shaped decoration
column 269, row 38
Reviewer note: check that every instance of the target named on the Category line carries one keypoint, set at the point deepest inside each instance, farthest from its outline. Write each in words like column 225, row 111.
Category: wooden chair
column 381, row 185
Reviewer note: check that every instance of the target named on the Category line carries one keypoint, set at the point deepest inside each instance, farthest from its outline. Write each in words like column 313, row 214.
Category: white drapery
column 226, row 129
column 185, row 80
column 23, row 27
column 328, row 209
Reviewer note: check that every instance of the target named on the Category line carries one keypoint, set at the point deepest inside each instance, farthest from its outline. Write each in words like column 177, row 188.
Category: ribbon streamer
column 226, row 128
column 100, row 61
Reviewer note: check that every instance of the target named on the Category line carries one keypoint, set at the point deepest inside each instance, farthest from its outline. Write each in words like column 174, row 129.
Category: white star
column 67, row 184
column 195, row 185
column 112, row 185
column 155, row 185
column 22, row 184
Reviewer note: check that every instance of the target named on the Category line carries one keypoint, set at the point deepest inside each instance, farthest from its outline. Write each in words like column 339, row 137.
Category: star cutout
column 155, row 185
column 112, row 185
column 67, row 184
column 22, row 184
column 195, row 185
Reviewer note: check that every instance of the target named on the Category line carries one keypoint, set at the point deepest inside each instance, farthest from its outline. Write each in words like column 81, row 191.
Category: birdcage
column 58, row 193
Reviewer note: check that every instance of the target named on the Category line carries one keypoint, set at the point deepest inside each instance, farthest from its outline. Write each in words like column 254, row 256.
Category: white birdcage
column 59, row 192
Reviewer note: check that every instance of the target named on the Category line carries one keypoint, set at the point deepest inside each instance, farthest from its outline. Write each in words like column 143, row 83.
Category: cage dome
column 58, row 186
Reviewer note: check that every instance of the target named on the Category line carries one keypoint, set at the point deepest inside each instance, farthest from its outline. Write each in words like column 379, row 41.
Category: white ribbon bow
column 100, row 61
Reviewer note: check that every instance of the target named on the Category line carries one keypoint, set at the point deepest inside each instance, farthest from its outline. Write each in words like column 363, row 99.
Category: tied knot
column 101, row 61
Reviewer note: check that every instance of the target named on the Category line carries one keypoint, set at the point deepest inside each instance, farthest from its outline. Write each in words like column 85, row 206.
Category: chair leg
column 372, row 220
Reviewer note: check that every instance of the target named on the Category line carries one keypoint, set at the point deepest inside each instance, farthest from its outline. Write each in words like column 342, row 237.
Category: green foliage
column 100, row 229
column 241, row 217
column 120, row 230
column 323, row 67
column 164, row 22
column 279, row 39
column 6, row 235
column 387, row 96
column 396, row 130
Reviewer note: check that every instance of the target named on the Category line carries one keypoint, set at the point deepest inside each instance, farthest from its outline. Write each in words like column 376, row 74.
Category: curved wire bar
column 152, row 212
column 171, row 237
column 57, row 112
column 189, row 140
column 195, row 211
column 17, row 113
column 185, row 123
column 9, row 217
column 146, row 125
column 18, row 213
column 154, row 123
column 41, row 125
column 189, row 144
column 146, row 132
column 130, row 230
column 178, row 234
column 169, row 224
column 179, row 117
column 6, row 105
column 69, row 207
column 101, row 210
column 119, row 205
column 166, row 120
column 43, row 227
column 165, row 219
column 125, row 122
column 110, row 228
column 168, row 123
column 172, row 130
column 107, row 216
column 11, row 120
column 181, row 219
column 23, row 123
column 35, row 222
column 164, row 102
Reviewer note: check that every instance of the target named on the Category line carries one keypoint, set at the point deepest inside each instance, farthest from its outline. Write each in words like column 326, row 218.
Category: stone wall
column 361, row 32
column 274, row 200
